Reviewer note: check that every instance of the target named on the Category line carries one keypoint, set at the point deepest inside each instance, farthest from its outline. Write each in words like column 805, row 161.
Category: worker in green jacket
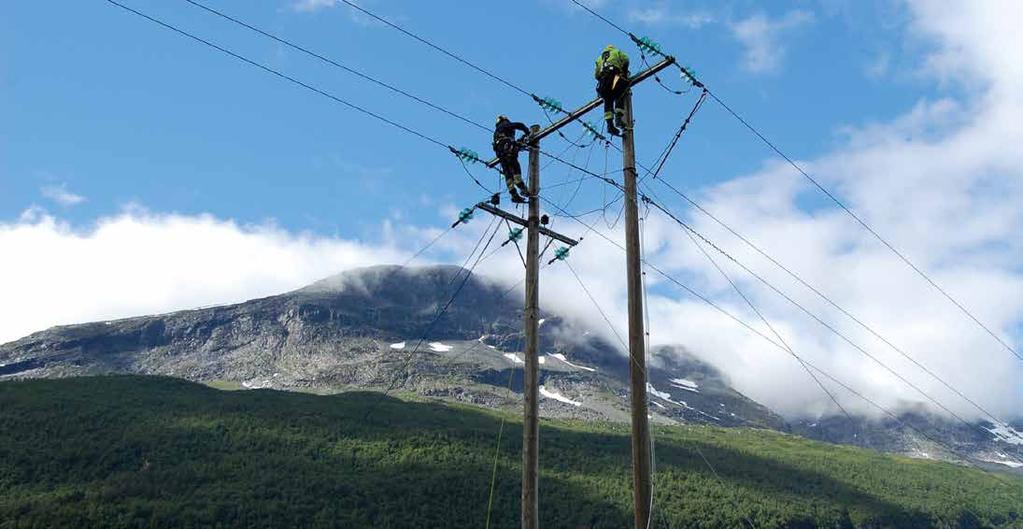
column 612, row 74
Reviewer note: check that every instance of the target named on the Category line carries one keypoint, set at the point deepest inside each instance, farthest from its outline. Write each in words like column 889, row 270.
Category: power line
column 454, row 56
column 834, row 199
column 598, row 15
column 646, row 263
column 766, row 338
column 830, row 301
column 358, row 73
column 767, row 322
column 295, row 81
column 336, row 64
column 691, row 231
column 867, row 227
column 443, row 309
column 284, row 76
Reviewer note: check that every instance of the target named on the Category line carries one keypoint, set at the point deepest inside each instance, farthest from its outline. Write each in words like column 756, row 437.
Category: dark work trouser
column 612, row 94
column 512, row 171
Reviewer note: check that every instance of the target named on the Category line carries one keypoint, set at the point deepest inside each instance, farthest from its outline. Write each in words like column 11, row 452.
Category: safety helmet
column 501, row 117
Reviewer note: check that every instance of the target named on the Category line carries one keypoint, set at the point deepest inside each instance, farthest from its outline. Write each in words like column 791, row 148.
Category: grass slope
column 159, row 452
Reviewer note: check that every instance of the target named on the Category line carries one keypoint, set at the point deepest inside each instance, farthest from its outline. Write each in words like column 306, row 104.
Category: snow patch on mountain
column 1006, row 434
column 662, row 394
column 1003, row 460
column 514, row 358
column 439, row 347
column 686, row 384
column 398, row 346
column 561, row 357
column 558, row 397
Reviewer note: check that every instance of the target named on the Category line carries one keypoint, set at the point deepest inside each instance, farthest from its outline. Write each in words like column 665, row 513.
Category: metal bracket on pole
column 581, row 111
column 486, row 206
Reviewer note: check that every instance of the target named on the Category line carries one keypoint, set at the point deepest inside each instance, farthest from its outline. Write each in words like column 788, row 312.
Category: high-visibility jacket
column 613, row 61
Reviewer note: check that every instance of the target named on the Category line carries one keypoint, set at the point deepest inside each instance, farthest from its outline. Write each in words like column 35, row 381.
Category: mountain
column 378, row 329
column 129, row 451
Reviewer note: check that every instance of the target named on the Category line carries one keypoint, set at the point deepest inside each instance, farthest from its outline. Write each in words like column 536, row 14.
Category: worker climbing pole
column 612, row 75
column 507, row 147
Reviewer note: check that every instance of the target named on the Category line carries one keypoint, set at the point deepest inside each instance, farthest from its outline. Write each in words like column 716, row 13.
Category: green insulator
column 468, row 155
column 561, row 253
column 648, row 45
column 591, row 130
column 515, row 235
column 690, row 74
column 549, row 103
column 465, row 215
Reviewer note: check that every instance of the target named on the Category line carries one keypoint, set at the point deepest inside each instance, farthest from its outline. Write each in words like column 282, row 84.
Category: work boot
column 517, row 199
column 613, row 130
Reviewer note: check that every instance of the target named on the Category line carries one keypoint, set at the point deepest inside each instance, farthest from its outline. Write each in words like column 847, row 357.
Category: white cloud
column 310, row 6
column 879, row 67
column 943, row 182
column 61, row 195
column 138, row 263
column 660, row 15
column 762, row 38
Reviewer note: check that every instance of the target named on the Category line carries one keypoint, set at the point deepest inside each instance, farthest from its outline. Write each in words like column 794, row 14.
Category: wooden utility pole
column 637, row 352
column 531, row 324
column 637, row 343
column 531, row 377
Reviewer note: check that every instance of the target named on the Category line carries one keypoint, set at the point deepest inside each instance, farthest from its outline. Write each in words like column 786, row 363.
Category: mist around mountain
column 382, row 329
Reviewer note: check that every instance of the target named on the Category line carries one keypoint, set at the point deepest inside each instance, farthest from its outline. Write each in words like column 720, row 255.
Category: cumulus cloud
column 943, row 182
column 61, row 195
column 661, row 15
column 309, row 6
column 761, row 36
column 140, row 263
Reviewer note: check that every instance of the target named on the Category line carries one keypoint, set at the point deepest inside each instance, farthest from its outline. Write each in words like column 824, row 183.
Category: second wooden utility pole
column 637, row 343
column 531, row 370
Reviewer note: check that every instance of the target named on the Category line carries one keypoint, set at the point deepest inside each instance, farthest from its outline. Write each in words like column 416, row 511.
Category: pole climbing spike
column 464, row 216
column 467, row 155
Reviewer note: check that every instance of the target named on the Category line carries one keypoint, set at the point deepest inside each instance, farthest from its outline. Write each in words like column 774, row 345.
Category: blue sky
column 141, row 172
column 118, row 110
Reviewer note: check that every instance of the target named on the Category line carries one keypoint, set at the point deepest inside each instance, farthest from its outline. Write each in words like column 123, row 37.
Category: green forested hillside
column 158, row 452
